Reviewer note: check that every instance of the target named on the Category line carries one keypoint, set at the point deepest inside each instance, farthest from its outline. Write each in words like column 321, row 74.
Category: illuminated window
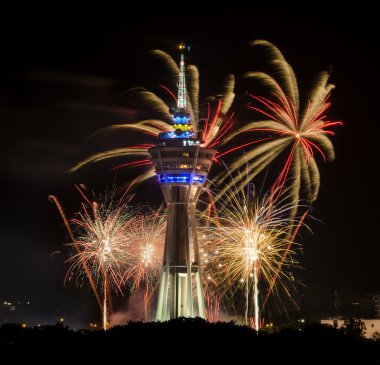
column 202, row 167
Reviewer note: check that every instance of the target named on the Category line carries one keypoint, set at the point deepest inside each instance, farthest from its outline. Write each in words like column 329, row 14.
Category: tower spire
column 183, row 133
column 181, row 103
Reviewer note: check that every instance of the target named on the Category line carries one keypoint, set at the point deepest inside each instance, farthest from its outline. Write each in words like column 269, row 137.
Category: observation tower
column 181, row 167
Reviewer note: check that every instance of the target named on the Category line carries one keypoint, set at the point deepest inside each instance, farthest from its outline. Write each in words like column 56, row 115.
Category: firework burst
column 300, row 130
column 246, row 244
column 101, row 245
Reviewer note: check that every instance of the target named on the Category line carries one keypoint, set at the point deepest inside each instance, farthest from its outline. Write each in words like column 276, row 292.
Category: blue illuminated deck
column 180, row 178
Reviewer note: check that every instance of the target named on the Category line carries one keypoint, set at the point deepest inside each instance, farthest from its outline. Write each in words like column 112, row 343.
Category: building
column 370, row 306
column 181, row 166
column 372, row 325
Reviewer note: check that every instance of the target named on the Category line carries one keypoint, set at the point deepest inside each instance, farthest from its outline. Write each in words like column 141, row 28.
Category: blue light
column 180, row 178
column 198, row 178
column 181, row 120
column 172, row 135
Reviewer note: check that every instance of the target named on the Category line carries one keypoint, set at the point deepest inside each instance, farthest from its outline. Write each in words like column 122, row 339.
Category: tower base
column 180, row 294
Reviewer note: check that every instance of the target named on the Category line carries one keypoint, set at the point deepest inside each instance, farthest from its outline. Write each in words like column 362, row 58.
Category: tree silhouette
column 354, row 327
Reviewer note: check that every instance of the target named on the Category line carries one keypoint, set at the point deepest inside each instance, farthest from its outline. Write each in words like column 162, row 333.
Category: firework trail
column 213, row 290
column 212, row 128
column 248, row 244
column 212, row 306
column 146, row 254
column 86, row 269
column 299, row 130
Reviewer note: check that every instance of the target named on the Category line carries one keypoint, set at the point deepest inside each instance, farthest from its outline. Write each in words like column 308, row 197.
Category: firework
column 212, row 128
column 297, row 129
column 146, row 254
column 101, row 245
column 248, row 243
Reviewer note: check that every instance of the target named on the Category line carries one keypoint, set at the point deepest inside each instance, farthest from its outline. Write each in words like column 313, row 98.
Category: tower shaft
column 181, row 171
column 180, row 273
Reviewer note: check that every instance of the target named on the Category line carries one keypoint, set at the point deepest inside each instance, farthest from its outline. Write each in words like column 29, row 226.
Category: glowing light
column 176, row 135
column 180, row 178
column 147, row 254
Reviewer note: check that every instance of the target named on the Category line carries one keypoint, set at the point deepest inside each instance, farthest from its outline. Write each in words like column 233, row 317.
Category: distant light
column 23, row 325
column 61, row 319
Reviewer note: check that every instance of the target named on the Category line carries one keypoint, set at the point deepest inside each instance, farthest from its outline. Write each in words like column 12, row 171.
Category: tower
column 181, row 166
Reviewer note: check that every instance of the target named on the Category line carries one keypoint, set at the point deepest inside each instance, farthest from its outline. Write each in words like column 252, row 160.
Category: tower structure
column 181, row 166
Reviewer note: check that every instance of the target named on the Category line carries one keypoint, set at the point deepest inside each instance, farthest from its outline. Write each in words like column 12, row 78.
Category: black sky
column 63, row 75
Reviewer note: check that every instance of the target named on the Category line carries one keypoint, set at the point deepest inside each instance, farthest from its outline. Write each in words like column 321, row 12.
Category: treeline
column 196, row 338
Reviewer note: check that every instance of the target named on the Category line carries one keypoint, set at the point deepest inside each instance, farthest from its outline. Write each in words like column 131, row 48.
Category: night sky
column 64, row 75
